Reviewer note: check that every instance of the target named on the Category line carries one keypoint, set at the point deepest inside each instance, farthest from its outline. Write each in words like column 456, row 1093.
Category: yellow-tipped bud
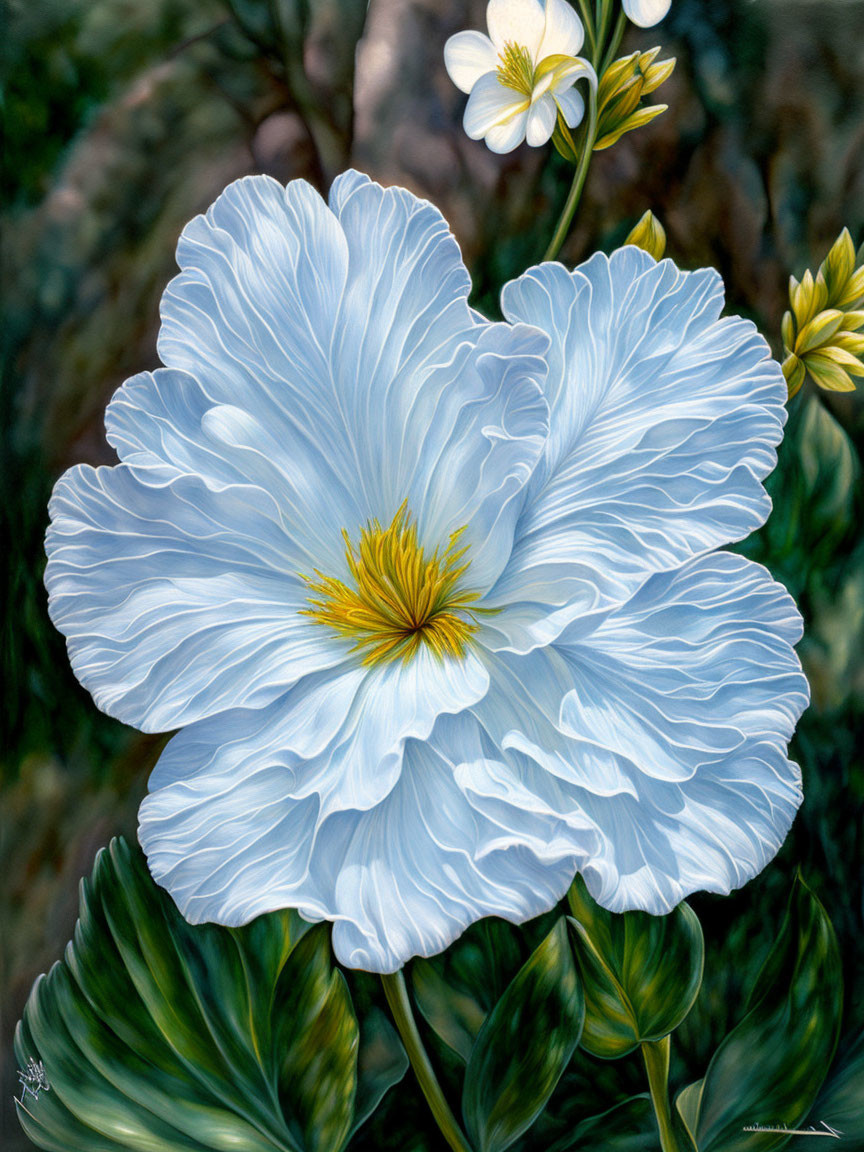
column 649, row 235
column 821, row 330
column 620, row 93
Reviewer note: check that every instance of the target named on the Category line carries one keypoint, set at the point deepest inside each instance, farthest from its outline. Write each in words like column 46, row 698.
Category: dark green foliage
column 155, row 1033
column 769, row 1069
column 524, row 1046
column 457, row 990
column 641, row 973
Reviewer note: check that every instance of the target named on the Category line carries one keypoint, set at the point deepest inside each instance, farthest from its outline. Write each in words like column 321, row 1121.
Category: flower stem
column 578, row 179
column 604, row 18
column 656, row 1056
column 588, row 24
column 397, row 997
column 614, row 43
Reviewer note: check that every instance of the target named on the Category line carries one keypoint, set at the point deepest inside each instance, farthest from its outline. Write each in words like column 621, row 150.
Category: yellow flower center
column 400, row 599
column 516, row 69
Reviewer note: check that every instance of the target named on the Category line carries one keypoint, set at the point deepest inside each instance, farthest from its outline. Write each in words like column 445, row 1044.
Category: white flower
column 646, row 13
column 521, row 74
column 434, row 601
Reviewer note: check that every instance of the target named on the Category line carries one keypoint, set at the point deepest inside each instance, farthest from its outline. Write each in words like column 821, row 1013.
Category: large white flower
column 434, row 601
column 521, row 74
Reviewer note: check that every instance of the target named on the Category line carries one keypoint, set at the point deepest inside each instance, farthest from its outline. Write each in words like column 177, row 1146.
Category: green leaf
column 156, row 1034
column 453, row 1014
column 641, row 973
column 769, row 1069
column 457, row 990
column 315, row 1039
column 562, row 138
column 382, row 1063
column 840, row 1103
column 524, row 1046
column 627, row 1127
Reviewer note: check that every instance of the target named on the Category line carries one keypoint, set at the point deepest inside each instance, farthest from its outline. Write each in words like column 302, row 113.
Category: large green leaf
column 840, row 1103
column 382, row 1063
column 627, row 1127
column 156, row 1034
column 524, row 1046
column 641, row 973
column 457, row 990
column 769, row 1069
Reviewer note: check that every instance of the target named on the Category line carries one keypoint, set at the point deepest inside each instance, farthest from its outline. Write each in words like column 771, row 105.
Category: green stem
column 604, row 19
column 397, row 997
column 656, row 1056
column 614, row 43
column 578, row 179
column 588, row 24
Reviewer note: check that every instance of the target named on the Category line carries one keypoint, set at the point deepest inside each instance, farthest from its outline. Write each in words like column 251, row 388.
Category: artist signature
column 823, row 1130
column 33, row 1080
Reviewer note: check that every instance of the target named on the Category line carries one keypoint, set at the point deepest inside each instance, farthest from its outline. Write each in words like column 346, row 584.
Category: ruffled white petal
column 562, row 33
column 521, row 22
column 483, row 437
column 178, row 600
column 713, row 834
column 491, row 105
column 239, row 823
column 664, row 422
column 698, row 661
column 662, row 732
column 572, row 106
column 324, row 322
column 166, row 420
column 325, row 367
column 421, row 867
column 646, row 13
column 336, row 736
column 467, row 57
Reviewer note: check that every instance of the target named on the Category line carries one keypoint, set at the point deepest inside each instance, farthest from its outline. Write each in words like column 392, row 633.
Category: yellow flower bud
column 821, row 331
column 794, row 371
column 649, row 235
column 621, row 90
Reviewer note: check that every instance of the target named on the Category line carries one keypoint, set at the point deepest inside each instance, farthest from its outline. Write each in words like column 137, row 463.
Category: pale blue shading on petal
column 691, row 692
column 626, row 710
column 664, row 420
column 177, row 601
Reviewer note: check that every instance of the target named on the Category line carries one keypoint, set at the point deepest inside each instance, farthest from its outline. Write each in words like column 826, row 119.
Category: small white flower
column 646, row 13
column 521, row 74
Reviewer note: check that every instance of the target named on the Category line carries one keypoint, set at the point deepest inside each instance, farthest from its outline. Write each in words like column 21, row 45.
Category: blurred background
column 124, row 118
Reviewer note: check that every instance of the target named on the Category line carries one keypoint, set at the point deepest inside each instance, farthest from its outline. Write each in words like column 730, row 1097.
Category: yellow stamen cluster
column 401, row 598
column 516, row 69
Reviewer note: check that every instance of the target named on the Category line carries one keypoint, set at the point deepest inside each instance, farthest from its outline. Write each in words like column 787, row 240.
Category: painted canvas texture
column 433, row 615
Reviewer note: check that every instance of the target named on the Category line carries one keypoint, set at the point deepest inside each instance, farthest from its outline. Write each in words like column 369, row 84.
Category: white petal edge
column 646, row 13
column 563, row 33
column 541, row 121
column 467, row 57
column 521, row 22
column 572, row 106
column 491, row 105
